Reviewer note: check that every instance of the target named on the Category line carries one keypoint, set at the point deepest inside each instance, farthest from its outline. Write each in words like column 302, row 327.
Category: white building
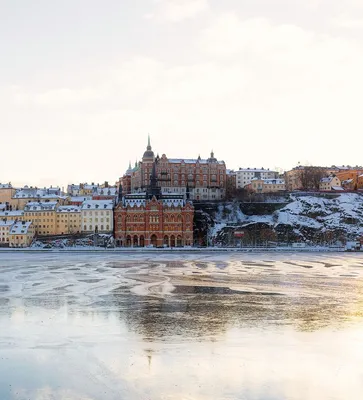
column 97, row 216
column 244, row 176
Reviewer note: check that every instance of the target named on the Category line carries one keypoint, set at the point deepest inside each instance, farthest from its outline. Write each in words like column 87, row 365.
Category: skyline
column 82, row 84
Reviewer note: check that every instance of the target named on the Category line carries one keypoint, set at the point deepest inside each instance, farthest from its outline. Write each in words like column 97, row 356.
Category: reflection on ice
column 206, row 326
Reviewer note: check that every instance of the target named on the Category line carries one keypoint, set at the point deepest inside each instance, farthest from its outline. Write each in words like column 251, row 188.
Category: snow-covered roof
column 255, row 170
column 90, row 186
column 37, row 206
column 80, row 199
column 5, row 214
column 6, row 223
column 274, row 181
column 97, row 205
column 2, row 206
column 134, row 202
column 337, row 188
column 5, row 186
column 192, row 161
column 327, row 179
column 269, row 181
column 20, row 228
column 107, row 191
column 176, row 202
column 69, row 209
column 33, row 193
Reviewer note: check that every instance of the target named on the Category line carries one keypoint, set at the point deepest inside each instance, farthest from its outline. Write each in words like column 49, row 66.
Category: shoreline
column 180, row 250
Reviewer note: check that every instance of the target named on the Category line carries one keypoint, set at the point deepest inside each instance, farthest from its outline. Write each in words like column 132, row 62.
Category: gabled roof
column 20, row 228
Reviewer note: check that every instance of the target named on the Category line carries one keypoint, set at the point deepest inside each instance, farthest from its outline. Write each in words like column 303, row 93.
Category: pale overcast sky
column 262, row 82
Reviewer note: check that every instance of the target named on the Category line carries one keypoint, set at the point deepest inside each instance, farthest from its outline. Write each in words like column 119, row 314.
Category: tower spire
column 148, row 142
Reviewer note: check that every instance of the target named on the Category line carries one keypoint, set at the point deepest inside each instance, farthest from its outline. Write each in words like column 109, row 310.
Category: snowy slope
column 303, row 214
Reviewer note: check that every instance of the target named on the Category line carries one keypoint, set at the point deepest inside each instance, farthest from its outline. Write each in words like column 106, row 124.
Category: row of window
column 91, row 228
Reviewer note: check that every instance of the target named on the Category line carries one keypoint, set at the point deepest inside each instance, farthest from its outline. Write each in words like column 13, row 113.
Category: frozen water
column 181, row 326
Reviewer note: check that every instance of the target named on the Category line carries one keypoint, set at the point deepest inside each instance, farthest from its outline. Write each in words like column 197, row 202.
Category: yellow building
column 266, row 186
column 21, row 234
column 68, row 220
column 5, row 227
column 6, row 193
column 43, row 216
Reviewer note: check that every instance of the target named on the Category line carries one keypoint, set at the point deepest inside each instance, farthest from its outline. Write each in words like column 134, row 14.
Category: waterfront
column 181, row 326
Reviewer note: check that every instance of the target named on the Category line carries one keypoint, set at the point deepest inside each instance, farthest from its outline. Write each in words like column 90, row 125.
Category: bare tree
column 311, row 176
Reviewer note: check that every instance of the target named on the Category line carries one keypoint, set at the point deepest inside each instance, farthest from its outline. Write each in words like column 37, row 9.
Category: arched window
column 101, row 227
column 90, row 227
column 107, row 227
column 85, row 227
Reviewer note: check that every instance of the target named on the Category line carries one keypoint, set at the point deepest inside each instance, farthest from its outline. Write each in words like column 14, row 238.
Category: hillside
column 311, row 219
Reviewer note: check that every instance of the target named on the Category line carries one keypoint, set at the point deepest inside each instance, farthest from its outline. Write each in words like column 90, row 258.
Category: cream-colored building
column 5, row 226
column 43, row 216
column 12, row 215
column 97, row 216
column 330, row 183
column 68, row 220
column 244, row 176
column 266, row 185
column 21, row 234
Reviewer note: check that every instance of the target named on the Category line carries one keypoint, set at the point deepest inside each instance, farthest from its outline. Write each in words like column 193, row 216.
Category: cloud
column 347, row 22
column 289, row 89
column 177, row 10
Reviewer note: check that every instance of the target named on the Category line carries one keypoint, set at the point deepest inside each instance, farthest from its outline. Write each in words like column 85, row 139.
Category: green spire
column 148, row 142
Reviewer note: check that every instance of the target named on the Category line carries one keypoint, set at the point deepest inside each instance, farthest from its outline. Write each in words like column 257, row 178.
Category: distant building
column 153, row 218
column 97, row 216
column 266, row 186
column 244, row 176
column 329, row 183
column 43, row 215
column 32, row 194
column 206, row 178
column 307, row 177
column 7, row 192
column 5, row 226
column 21, row 234
column 68, row 220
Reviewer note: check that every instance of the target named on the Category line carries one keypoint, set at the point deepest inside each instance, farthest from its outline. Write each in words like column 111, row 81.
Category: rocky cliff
column 313, row 219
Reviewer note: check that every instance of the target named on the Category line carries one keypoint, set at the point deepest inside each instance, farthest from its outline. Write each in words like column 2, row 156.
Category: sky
column 263, row 83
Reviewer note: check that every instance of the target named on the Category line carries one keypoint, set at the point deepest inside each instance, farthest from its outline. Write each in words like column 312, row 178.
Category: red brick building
column 206, row 178
column 154, row 218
